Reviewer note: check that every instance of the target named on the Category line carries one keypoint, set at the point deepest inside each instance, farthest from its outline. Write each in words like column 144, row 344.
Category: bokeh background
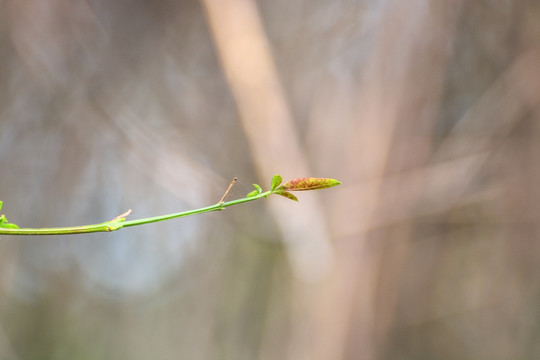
column 426, row 110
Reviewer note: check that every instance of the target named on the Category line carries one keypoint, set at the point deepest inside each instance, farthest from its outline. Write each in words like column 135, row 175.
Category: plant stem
column 119, row 221
column 116, row 224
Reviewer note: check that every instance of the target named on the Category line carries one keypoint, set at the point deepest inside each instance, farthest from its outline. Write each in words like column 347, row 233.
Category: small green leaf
column 0, row 204
column 306, row 183
column 288, row 195
column 276, row 180
column 253, row 193
column 3, row 219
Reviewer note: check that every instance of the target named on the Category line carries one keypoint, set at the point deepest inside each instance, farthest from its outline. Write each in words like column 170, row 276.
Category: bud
column 308, row 183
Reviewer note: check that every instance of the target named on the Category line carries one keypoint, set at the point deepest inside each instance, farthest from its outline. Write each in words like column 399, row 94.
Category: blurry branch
column 499, row 108
column 119, row 221
column 168, row 159
column 246, row 58
column 438, row 188
column 458, row 160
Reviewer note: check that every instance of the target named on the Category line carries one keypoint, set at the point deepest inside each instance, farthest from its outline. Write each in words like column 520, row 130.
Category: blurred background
column 427, row 112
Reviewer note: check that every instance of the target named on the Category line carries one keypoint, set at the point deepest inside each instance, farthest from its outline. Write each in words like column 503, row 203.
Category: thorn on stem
column 124, row 214
column 227, row 191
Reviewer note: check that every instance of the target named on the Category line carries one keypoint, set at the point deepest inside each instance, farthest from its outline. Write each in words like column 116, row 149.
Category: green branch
column 7, row 228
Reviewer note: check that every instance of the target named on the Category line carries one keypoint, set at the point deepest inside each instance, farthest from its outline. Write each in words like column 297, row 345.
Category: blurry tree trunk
column 247, row 61
column 395, row 108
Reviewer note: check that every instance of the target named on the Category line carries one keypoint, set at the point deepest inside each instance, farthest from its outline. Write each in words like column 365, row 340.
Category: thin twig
column 124, row 214
column 227, row 191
